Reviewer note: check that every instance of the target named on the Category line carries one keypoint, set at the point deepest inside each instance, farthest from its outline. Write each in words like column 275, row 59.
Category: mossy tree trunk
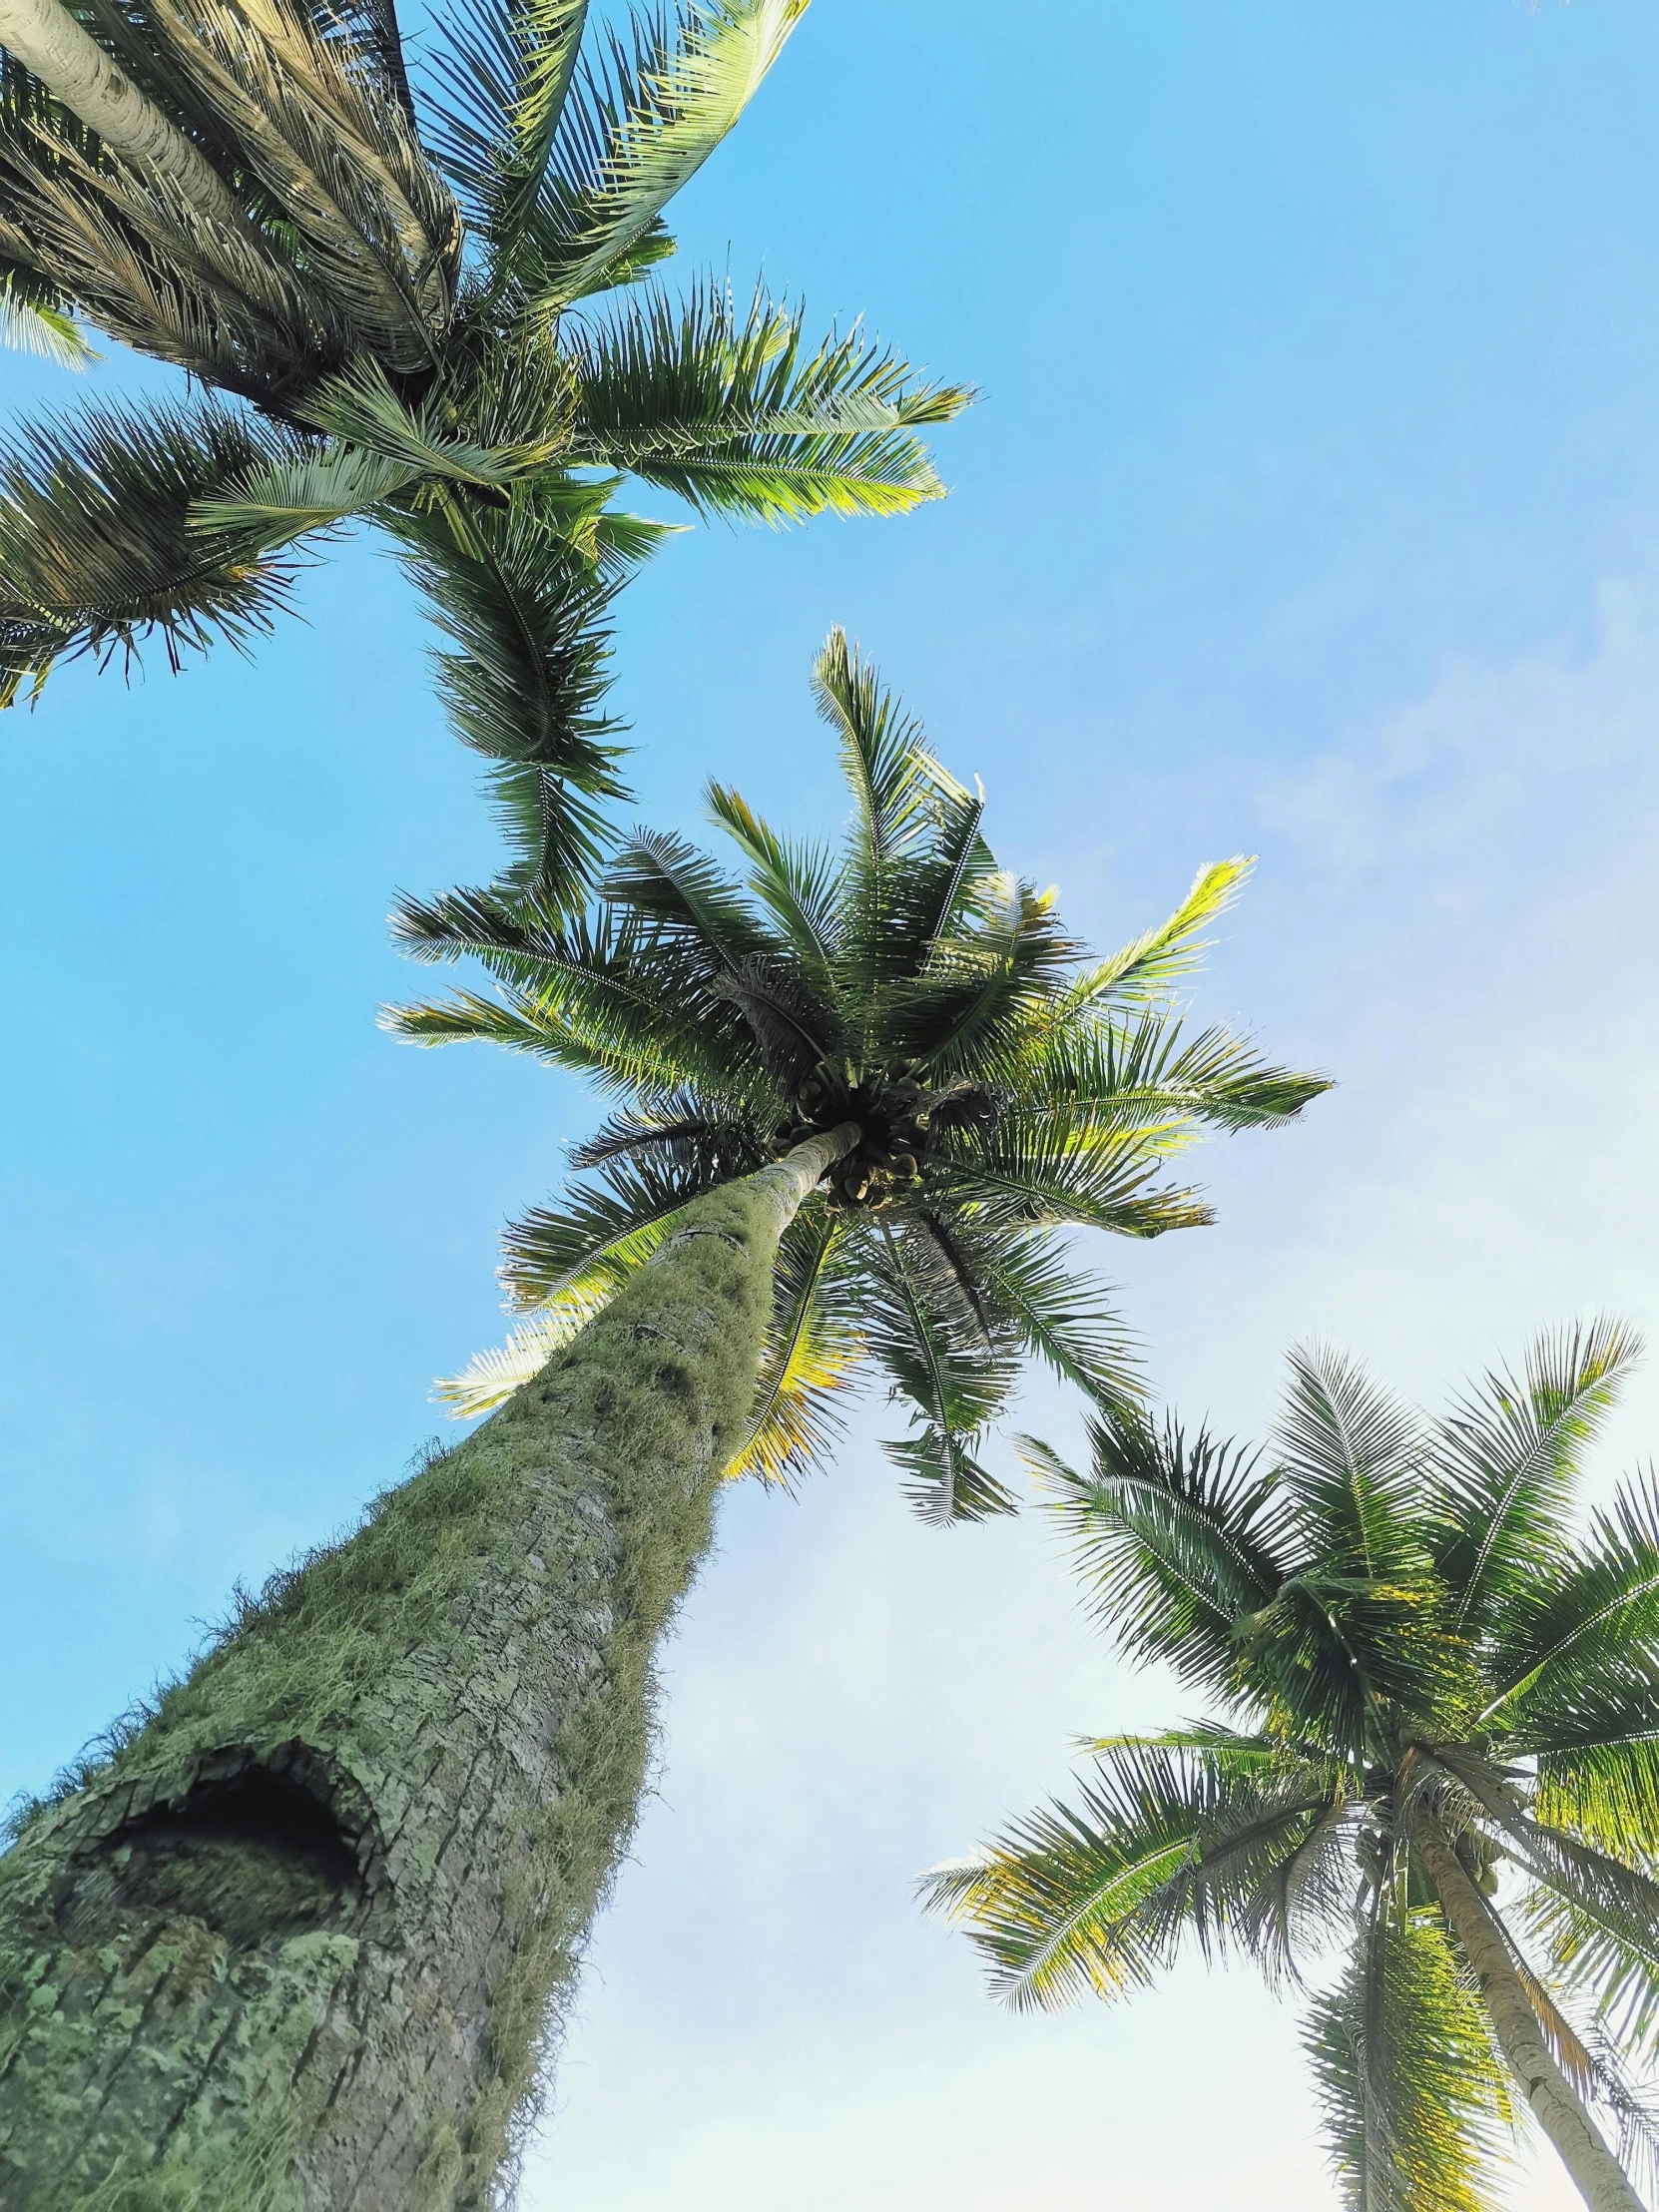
column 299, row 1942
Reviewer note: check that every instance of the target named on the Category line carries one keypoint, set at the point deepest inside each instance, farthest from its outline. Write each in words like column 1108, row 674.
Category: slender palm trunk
column 52, row 46
column 302, row 1940
column 1596, row 2174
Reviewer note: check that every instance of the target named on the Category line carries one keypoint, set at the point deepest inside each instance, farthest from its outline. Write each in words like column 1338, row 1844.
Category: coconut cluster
column 897, row 1119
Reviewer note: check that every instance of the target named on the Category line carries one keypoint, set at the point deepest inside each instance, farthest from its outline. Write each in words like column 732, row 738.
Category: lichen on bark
column 298, row 1945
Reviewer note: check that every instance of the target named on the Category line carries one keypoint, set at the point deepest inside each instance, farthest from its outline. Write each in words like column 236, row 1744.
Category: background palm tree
column 408, row 285
column 1003, row 1087
column 1440, row 1755
column 302, row 1934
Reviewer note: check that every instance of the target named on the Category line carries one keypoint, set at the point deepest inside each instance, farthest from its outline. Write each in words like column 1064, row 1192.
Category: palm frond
column 1508, row 1462
column 1153, row 1079
column 930, row 1336
column 811, row 1356
column 1412, row 2093
column 734, row 413
column 1164, row 1846
column 794, row 884
column 1065, row 1318
column 524, row 678
column 489, row 1378
column 97, row 551
column 1146, row 971
column 1031, row 1172
column 1350, row 1461
column 1177, row 1539
column 33, row 320
column 630, row 138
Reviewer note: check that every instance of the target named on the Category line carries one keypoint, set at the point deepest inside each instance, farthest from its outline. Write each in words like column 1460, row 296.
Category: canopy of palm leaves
column 1004, row 1088
column 409, row 292
column 1408, row 1637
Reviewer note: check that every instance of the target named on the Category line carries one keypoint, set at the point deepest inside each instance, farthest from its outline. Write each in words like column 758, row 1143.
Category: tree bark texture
column 302, row 1942
column 1596, row 2174
column 72, row 67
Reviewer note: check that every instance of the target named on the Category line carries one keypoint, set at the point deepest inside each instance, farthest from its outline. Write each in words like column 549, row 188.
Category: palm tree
column 303, row 1934
column 411, row 301
column 1438, row 1755
column 994, row 1088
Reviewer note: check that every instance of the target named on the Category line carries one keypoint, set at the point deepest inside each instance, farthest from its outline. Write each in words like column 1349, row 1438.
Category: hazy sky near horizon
column 1310, row 510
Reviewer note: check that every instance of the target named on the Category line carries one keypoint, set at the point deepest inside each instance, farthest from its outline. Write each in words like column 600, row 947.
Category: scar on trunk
column 258, row 1848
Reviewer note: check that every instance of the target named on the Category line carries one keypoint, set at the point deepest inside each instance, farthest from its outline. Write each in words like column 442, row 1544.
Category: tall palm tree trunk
column 302, row 1941
column 52, row 46
column 1596, row 2174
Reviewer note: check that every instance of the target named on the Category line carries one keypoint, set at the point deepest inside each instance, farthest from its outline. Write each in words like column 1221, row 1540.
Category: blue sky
column 1312, row 509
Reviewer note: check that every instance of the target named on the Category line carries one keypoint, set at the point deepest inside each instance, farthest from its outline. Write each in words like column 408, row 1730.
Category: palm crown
column 1439, row 1754
column 1001, row 1089
column 412, row 298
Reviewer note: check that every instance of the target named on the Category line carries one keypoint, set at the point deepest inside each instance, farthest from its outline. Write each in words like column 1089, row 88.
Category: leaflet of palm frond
column 638, row 122
column 811, row 1353
column 1154, row 1079
column 1018, row 1173
column 1177, row 1539
column 1509, row 1464
column 362, row 408
column 526, row 680
column 1413, row 2096
column 318, row 492
column 95, row 548
column 795, row 882
column 925, row 1335
column 1350, row 1461
column 33, row 319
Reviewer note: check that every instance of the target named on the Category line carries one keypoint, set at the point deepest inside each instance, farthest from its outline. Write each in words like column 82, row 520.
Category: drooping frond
column 1165, row 1846
column 95, row 545
column 1412, row 2092
column 951, row 1364
column 1177, row 1539
column 524, row 676
column 811, row 1356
